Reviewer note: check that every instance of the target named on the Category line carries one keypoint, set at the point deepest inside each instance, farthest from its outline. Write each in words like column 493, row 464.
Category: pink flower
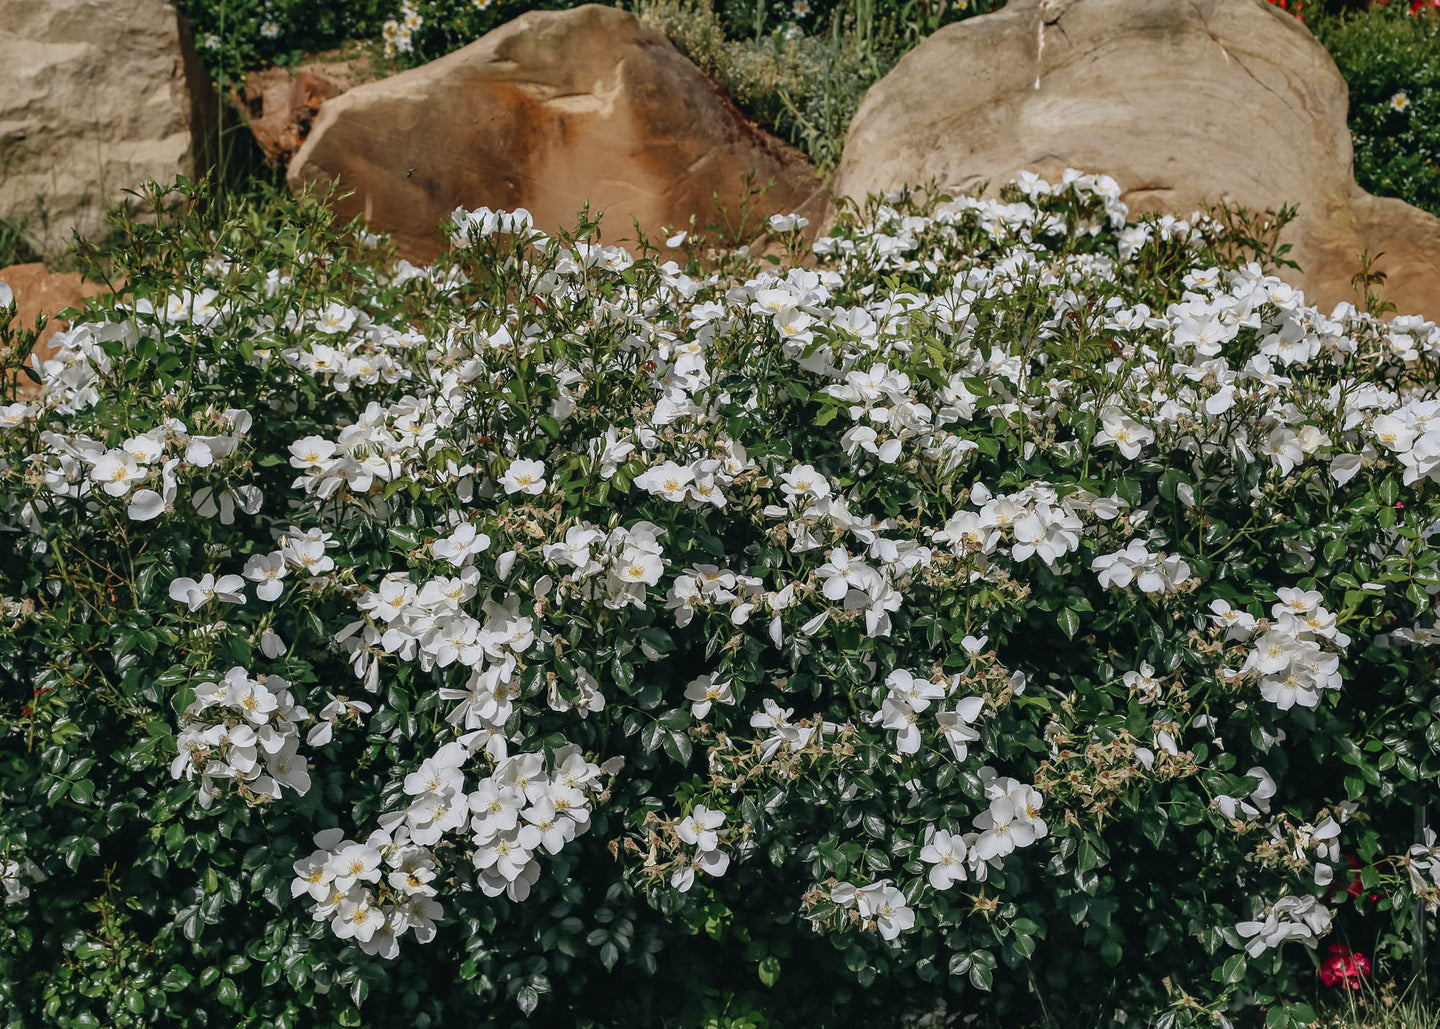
column 1344, row 968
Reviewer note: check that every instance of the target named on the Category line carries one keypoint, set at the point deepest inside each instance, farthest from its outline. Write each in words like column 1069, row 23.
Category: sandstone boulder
column 95, row 97
column 280, row 104
column 546, row 112
column 1185, row 104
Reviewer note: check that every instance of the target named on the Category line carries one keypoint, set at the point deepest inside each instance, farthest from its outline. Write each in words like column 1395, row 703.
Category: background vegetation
column 1390, row 59
column 802, row 68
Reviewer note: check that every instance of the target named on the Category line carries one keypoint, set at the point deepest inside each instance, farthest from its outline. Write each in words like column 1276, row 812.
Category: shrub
column 1018, row 601
column 805, row 89
column 1390, row 59
column 235, row 36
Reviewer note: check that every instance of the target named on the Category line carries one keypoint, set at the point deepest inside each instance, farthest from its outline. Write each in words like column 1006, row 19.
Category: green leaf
column 769, row 970
column 404, row 539
column 678, row 746
column 1172, row 478
column 981, row 977
column 1232, row 971
column 528, row 999
column 676, row 718
column 1069, row 622
column 1111, row 952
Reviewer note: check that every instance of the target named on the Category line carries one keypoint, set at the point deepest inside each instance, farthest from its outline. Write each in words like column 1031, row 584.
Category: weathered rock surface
column 546, row 112
column 1185, row 104
column 38, row 290
column 280, row 104
column 96, row 96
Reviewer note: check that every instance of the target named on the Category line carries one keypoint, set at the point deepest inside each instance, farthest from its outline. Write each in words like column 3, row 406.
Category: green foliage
column 16, row 246
column 292, row 392
column 417, row 31
column 1391, row 61
column 236, row 36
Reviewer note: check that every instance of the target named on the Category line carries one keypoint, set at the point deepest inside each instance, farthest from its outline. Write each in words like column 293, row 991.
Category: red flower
column 1344, row 968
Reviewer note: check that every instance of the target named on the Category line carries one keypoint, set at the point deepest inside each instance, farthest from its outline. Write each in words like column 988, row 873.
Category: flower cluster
column 397, row 32
column 1290, row 918
column 343, row 877
column 245, row 730
column 145, row 470
column 1150, row 573
column 701, row 829
column 1286, row 655
column 525, row 806
column 908, row 696
column 878, row 906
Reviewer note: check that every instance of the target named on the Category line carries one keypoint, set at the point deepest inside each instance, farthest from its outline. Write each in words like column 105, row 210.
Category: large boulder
column 547, row 112
column 95, row 98
column 1185, row 104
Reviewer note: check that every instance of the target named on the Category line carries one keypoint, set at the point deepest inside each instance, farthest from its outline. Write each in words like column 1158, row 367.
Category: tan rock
column 280, row 104
column 96, row 96
column 1185, row 104
column 39, row 291
column 547, row 112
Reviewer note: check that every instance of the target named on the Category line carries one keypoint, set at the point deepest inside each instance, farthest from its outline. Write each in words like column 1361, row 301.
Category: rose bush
column 1007, row 603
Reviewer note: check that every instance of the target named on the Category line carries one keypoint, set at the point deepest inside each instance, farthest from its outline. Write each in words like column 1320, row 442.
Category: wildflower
column 668, row 480
column 1128, row 435
column 1399, row 102
column 880, row 904
column 195, row 595
column 116, row 471
column 462, row 544
column 945, row 852
column 706, row 691
column 524, row 477
column 268, row 570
